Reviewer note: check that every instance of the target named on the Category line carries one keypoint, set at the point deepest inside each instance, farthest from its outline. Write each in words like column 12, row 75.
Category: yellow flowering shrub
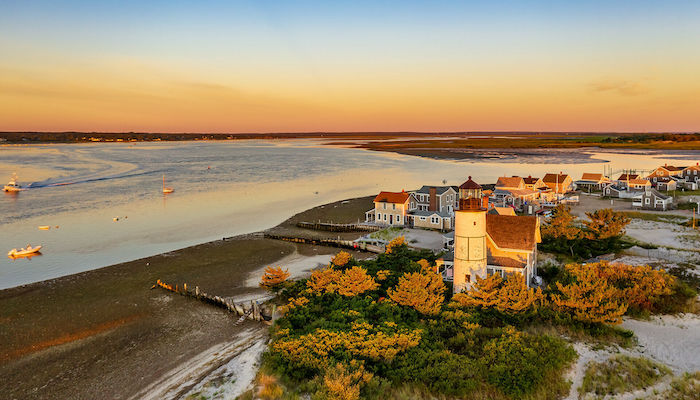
column 324, row 281
column 355, row 281
column 511, row 296
column 344, row 383
column 589, row 299
column 425, row 266
column 341, row 259
column 424, row 292
column 395, row 242
column 350, row 282
column 273, row 277
column 383, row 274
column 362, row 340
column 638, row 286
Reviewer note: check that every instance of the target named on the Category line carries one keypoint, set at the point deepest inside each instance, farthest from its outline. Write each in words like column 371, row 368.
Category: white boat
column 166, row 190
column 24, row 251
column 12, row 185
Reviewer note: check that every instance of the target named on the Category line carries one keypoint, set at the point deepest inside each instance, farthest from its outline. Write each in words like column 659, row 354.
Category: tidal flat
column 105, row 333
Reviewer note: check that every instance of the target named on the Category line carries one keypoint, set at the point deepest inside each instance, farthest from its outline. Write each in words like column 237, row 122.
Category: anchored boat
column 166, row 190
column 24, row 251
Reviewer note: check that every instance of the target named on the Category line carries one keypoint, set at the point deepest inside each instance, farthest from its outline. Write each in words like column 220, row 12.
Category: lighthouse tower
column 470, row 237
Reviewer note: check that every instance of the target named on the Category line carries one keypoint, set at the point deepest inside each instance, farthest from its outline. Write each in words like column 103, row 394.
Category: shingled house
column 591, row 182
column 665, row 170
column 652, row 199
column 560, row 183
column 442, row 199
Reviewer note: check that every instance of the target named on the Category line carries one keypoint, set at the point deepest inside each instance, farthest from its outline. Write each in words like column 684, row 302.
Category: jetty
column 255, row 310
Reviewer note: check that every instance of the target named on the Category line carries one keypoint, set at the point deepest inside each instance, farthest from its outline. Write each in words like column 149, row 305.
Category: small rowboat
column 44, row 227
column 25, row 251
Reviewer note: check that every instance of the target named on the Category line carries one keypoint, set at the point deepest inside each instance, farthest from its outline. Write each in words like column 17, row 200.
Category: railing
column 331, row 227
column 348, row 244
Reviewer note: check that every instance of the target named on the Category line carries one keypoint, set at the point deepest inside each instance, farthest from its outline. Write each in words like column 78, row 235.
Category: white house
column 392, row 208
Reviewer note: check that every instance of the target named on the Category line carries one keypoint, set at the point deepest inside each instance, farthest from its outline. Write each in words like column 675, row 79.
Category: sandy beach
column 106, row 334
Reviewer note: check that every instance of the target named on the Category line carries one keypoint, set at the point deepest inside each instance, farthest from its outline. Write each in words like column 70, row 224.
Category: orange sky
column 304, row 73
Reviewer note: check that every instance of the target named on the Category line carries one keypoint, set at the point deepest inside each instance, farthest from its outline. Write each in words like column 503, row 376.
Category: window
column 422, row 218
column 647, row 201
column 490, row 271
column 384, row 217
column 379, row 217
column 384, row 204
column 393, row 206
column 467, row 278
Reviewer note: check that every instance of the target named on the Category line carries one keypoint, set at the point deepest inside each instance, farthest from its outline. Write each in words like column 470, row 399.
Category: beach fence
column 253, row 310
column 347, row 244
column 331, row 227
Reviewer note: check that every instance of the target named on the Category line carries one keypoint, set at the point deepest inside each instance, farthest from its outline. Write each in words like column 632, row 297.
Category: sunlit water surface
column 221, row 189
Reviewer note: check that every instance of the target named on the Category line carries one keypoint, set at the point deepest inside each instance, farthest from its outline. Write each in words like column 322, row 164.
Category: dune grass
column 621, row 374
column 684, row 387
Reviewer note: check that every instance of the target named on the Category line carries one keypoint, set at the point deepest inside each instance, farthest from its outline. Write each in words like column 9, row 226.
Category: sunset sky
column 260, row 66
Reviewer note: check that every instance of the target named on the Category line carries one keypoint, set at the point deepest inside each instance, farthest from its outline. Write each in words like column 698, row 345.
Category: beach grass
column 656, row 217
column 621, row 374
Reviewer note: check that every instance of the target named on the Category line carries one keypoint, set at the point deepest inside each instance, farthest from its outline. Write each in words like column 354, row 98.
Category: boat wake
column 51, row 182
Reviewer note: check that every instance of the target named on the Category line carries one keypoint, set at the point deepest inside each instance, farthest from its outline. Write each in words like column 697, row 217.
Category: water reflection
column 222, row 189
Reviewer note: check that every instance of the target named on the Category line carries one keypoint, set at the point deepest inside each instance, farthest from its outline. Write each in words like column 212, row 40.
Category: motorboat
column 166, row 190
column 12, row 185
column 24, row 251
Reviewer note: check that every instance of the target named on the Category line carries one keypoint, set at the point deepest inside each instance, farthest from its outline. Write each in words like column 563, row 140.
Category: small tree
column 561, row 231
column 274, row 278
column 605, row 224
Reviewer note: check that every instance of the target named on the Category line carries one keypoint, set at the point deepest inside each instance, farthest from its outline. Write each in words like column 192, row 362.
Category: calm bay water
column 221, row 189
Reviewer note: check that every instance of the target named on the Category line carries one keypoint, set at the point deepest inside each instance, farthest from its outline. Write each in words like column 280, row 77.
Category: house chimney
column 432, row 205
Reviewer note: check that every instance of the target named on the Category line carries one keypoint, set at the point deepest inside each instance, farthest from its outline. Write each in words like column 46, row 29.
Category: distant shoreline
column 524, row 137
column 436, row 145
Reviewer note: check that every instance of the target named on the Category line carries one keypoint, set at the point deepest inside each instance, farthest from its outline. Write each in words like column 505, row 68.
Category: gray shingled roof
column 440, row 189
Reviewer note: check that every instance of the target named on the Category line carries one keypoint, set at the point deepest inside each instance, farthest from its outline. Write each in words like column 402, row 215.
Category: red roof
column 392, row 197
column 470, row 184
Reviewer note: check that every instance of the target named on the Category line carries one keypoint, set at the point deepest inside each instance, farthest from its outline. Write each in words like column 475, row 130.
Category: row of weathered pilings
column 347, row 244
column 331, row 227
column 252, row 310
